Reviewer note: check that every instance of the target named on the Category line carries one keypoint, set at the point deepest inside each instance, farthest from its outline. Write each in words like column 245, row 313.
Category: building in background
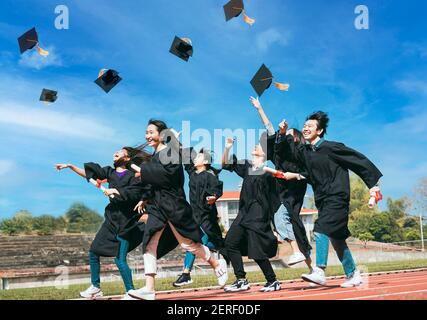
column 228, row 208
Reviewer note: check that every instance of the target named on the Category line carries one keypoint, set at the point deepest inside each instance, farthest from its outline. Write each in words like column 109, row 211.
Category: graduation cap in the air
column 48, row 95
column 29, row 40
column 263, row 80
column 182, row 48
column 234, row 8
column 108, row 79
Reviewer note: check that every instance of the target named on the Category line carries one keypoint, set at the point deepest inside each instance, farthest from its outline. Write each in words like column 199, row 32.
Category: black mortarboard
column 262, row 80
column 48, row 95
column 108, row 80
column 28, row 40
column 182, row 48
column 233, row 9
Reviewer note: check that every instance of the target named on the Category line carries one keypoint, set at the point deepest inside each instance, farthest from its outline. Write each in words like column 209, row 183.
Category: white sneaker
column 221, row 273
column 353, row 281
column 127, row 297
column 317, row 276
column 91, row 293
column 142, row 294
column 296, row 258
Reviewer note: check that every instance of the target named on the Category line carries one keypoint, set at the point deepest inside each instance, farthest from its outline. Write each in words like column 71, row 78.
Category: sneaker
column 271, row 286
column 296, row 258
column 317, row 276
column 221, row 273
column 353, row 281
column 183, row 280
column 127, row 297
column 142, row 294
column 91, row 293
column 238, row 285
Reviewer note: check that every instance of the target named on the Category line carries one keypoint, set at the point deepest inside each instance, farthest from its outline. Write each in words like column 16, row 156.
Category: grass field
column 116, row 288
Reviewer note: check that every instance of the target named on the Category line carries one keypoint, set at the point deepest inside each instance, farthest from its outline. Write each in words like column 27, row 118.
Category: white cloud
column 412, row 86
column 266, row 39
column 32, row 59
column 54, row 121
column 6, row 166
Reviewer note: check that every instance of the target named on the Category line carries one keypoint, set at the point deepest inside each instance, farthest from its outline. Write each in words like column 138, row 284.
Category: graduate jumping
column 326, row 166
column 251, row 234
column 121, row 231
column 170, row 217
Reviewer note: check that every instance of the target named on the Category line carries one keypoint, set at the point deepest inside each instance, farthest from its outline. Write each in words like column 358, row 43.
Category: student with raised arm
column 205, row 188
column 287, row 220
column 170, row 217
column 251, row 234
column 121, row 231
column 326, row 165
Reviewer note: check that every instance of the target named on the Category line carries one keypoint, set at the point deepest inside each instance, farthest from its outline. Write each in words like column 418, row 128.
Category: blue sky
column 373, row 83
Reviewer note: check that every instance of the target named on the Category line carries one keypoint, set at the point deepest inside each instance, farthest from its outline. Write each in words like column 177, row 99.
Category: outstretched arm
column 226, row 155
column 267, row 124
column 61, row 166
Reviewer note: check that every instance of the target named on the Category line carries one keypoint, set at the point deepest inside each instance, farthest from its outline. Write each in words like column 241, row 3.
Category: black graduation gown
column 165, row 174
column 326, row 168
column 291, row 193
column 257, row 204
column 120, row 218
column 202, row 185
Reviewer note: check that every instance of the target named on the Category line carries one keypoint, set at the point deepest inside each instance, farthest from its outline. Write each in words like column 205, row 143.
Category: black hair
column 298, row 137
column 138, row 155
column 160, row 125
column 322, row 120
column 207, row 156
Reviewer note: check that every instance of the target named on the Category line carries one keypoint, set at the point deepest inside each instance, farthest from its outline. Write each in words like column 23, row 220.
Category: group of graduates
column 148, row 205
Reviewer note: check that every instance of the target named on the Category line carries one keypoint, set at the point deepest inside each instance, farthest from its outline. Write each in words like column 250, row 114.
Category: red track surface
column 403, row 285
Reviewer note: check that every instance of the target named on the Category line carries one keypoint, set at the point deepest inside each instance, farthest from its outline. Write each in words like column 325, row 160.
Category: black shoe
column 271, row 286
column 238, row 285
column 183, row 280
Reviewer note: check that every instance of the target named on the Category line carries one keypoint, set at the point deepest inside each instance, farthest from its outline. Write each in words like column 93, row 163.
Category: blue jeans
column 282, row 222
column 190, row 258
column 340, row 247
column 121, row 262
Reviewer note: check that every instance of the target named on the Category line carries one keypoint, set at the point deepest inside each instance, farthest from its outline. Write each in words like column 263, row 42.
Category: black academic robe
column 257, row 204
column 291, row 193
column 202, row 185
column 327, row 169
column 120, row 218
column 165, row 174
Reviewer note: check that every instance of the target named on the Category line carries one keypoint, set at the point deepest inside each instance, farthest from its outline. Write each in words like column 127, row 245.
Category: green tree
column 412, row 235
column 48, row 225
column 20, row 223
column 81, row 219
column 365, row 237
column 359, row 195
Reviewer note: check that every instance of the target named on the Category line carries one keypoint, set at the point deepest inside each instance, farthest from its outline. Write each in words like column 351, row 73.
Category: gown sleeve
column 95, row 171
column 160, row 175
column 130, row 193
column 214, row 186
column 240, row 168
column 356, row 162
column 187, row 156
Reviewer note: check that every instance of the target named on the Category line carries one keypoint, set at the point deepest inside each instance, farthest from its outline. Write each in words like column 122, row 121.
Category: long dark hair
column 298, row 137
column 138, row 155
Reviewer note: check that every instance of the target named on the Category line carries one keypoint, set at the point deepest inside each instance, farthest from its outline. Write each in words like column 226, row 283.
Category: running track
column 393, row 285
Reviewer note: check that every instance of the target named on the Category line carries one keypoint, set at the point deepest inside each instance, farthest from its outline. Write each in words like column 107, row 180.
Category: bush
column 81, row 219
column 21, row 223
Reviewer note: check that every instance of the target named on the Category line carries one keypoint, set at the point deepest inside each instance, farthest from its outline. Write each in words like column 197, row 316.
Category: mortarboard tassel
column 282, row 86
column 248, row 20
column 42, row 52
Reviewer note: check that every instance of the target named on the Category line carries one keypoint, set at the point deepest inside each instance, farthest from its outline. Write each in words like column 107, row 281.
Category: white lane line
column 385, row 295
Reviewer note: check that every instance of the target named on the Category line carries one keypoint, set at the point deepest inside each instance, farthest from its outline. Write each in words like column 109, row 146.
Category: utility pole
column 422, row 234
